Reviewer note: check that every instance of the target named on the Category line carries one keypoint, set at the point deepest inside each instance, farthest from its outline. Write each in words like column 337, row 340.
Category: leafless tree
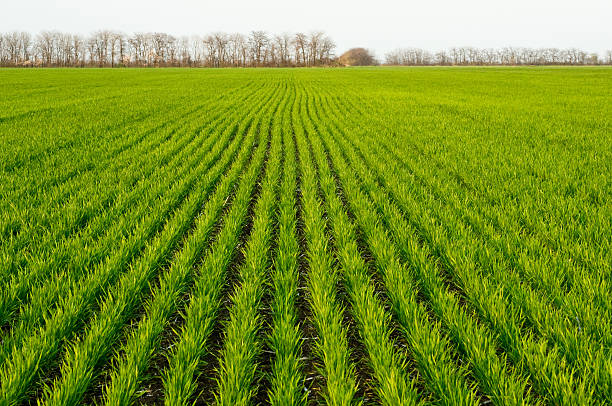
column 3, row 56
column 258, row 41
column 78, row 50
column 24, row 45
column 45, row 45
column 283, row 47
column 300, row 43
column 139, row 46
column 183, row 54
column 238, row 49
column 314, row 42
column 12, row 46
column 162, row 46
column 328, row 49
column 117, row 48
column 221, row 45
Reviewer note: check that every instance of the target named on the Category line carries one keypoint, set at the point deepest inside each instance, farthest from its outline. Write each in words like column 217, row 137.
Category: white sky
column 380, row 25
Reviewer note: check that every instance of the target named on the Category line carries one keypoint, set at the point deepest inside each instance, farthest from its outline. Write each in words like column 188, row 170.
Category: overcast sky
column 380, row 25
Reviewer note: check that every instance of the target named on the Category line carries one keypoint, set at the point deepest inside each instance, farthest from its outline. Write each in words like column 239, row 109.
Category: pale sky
column 380, row 25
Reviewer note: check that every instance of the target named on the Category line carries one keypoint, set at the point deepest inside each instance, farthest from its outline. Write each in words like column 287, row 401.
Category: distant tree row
column 111, row 48
column 503, row 56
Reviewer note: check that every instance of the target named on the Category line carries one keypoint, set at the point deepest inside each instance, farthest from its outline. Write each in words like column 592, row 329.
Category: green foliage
column 341, row 236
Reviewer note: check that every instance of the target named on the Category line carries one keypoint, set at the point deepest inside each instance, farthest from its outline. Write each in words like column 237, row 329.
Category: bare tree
column 24, row 45
column 45, row 46
column 117, row 48
column 140, row 48
column 327, row 48
column 183, row 58
column 300, row 44
column 99, row 45
column 12, row 46
column 3, row 56
column 314, row 43
column 244, row 49
column 196, row 49
column 220, row 42
column 283, row 47
column 210, row 50
column 63, row 50
column 161, row 44
column 258, row 41
column 78, row 50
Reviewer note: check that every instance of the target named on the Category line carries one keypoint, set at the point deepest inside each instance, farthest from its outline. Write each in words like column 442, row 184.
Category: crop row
column 304, row 237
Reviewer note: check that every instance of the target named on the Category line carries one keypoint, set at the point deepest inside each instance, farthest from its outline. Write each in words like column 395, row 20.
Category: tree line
column 108, row 48
column 502, row 56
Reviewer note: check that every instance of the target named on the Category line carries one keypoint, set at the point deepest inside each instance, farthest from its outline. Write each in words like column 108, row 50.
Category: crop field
column 306, row 236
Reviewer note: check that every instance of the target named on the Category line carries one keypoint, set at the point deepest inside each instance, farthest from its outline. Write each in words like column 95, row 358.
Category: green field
column 305, row 236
